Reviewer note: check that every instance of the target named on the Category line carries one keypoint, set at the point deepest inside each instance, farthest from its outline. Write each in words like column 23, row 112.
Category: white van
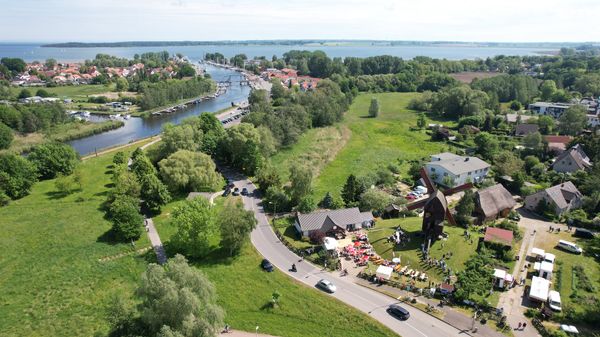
column 554, row 300
column 570, row 246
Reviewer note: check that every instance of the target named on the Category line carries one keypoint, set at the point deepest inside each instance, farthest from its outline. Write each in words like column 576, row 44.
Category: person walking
column 524, row 325
column 519, row 328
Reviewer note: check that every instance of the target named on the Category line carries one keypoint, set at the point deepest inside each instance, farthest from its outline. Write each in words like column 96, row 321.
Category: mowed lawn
column 71, row 91
column 51, row 280
column 376, row 142
column 410, row 254
column 244, row 291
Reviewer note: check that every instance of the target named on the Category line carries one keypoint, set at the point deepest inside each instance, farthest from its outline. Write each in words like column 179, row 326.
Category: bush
column 316, row 237
column 17, row 175
column 53, row 159
column 6, row 136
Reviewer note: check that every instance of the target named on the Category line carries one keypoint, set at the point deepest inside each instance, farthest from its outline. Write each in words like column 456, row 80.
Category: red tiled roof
column 558, row 139
column 498, row 235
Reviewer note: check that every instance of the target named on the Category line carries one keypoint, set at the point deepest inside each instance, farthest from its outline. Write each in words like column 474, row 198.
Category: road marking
column 417, row 330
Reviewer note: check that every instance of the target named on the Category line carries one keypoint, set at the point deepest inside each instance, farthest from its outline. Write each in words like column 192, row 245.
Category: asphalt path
column 366, row 300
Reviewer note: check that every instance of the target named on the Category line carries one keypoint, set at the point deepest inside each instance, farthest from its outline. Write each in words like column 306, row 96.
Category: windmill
column 435, row 208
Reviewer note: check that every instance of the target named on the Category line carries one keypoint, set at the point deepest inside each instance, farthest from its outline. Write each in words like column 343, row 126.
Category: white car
column 327, row 286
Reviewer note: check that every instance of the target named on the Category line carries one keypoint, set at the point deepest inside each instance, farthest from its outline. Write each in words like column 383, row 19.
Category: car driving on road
column 398, row 312
column 327, row 286
column 236, row 192
column 244, row 191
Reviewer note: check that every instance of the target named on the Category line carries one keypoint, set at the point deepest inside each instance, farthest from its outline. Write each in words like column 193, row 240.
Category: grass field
column 70, row 91
column 244, row 291
column 376, row 142
column 316, row 148
column 52, row 281
column 410, row 254
column 567, row 285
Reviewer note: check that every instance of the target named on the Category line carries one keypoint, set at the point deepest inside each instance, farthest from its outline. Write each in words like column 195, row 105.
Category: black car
column 236, row 192
column 583, row 233
column 398, row 312
column 244, row 191
column 266, row 265
column 226, row 192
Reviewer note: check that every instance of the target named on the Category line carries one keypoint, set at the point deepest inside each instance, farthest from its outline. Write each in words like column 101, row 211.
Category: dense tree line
column 165, row 92
column 507, row 88
column 32, row 118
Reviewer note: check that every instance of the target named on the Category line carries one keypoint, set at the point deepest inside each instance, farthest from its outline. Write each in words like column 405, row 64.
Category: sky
column 202, row 20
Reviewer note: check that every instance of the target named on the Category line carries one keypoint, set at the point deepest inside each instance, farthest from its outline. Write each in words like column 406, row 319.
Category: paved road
column 371, row 302
column 161, row 256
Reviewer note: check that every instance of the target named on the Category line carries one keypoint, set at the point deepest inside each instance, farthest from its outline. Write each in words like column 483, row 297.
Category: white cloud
column 464, row 20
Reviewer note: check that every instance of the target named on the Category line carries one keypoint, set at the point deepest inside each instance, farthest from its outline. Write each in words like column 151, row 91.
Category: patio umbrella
column 396, row 260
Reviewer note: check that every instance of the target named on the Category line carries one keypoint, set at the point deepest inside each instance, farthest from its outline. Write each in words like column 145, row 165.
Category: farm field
column 76, row 92
column 376, row 142
column 52, row 281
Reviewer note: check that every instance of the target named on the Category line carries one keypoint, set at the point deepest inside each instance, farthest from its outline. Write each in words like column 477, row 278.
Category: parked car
column 570, row 247
column 554, row 300
column 514, row 216
column 266, row 265
column 244, row 191
column 398, row 312
column 421, row 189
column 327, row 286
column 236, row 192
column 410, row 197
column 583, row 233
column 226, row 192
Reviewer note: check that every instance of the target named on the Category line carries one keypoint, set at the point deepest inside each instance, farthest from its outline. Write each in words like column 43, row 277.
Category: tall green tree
column 486, row 145
column 421, row 122
column 153, row 192
column 301, row 182
column 374, row 107
column 127, row 221
column 6, row 136
column 189, row 172
column 195, row 223
column 235, row 224
column 465, row 208
column 17, row 175
column 178, row 300
column 548, row 88
column 351, row 190
column 54, row 158
column 573, row 121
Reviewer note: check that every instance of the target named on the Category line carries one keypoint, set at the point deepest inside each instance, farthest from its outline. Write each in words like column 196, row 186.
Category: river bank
column 62, row 133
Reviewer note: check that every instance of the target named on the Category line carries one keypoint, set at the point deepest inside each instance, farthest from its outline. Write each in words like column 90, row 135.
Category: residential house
column 526, row 129
column 337, row 221
column 560, row 198
column 549, row 109
column 449, row 169
column 493, row 202
column 572, row 160
column 557, row 144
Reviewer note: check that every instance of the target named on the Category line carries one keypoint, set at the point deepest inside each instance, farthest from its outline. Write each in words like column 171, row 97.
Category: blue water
column 32, row 52
column 137, row 128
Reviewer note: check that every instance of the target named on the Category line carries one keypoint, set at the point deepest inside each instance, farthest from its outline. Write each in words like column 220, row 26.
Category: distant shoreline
column 315, row 43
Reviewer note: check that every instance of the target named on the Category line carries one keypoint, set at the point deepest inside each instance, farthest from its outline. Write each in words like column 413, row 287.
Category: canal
column 138, row 128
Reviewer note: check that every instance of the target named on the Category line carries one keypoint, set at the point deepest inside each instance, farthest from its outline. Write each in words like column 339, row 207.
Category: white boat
column 86, row 114
column 127, row 117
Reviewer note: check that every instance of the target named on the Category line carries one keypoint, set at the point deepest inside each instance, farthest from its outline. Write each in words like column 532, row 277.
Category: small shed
column 502, row 278
column 446, row 289
column 498, row 235
column 384, row 272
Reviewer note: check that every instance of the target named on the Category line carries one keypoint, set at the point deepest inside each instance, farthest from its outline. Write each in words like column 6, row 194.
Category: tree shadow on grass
column 110, row 185
column 55, row 195
column 109, row 237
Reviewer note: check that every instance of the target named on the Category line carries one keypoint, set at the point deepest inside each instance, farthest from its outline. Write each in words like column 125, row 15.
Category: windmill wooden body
column 435, row 207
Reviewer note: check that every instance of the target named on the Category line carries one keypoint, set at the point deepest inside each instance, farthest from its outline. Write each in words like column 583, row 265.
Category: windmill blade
column 453, row 190
column 450, row 217
column 418, row 204
column 428, row 183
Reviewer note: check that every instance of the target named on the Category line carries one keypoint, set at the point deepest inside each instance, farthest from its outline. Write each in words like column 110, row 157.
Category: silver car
column 327, row 286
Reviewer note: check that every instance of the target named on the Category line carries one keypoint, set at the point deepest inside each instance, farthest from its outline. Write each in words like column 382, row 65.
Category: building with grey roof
column 450, row 170
column 493, row 202
column 333, row 221
column 574, row 159
column 526, row 129
column 561, row 198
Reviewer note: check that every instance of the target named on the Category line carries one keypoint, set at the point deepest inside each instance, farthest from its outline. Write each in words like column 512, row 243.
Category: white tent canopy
column 330, row 243
column 537, row 252
column 384, row 272
column 539, row 289
column 546, row 267
column 549, row 257
column 569, row 328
